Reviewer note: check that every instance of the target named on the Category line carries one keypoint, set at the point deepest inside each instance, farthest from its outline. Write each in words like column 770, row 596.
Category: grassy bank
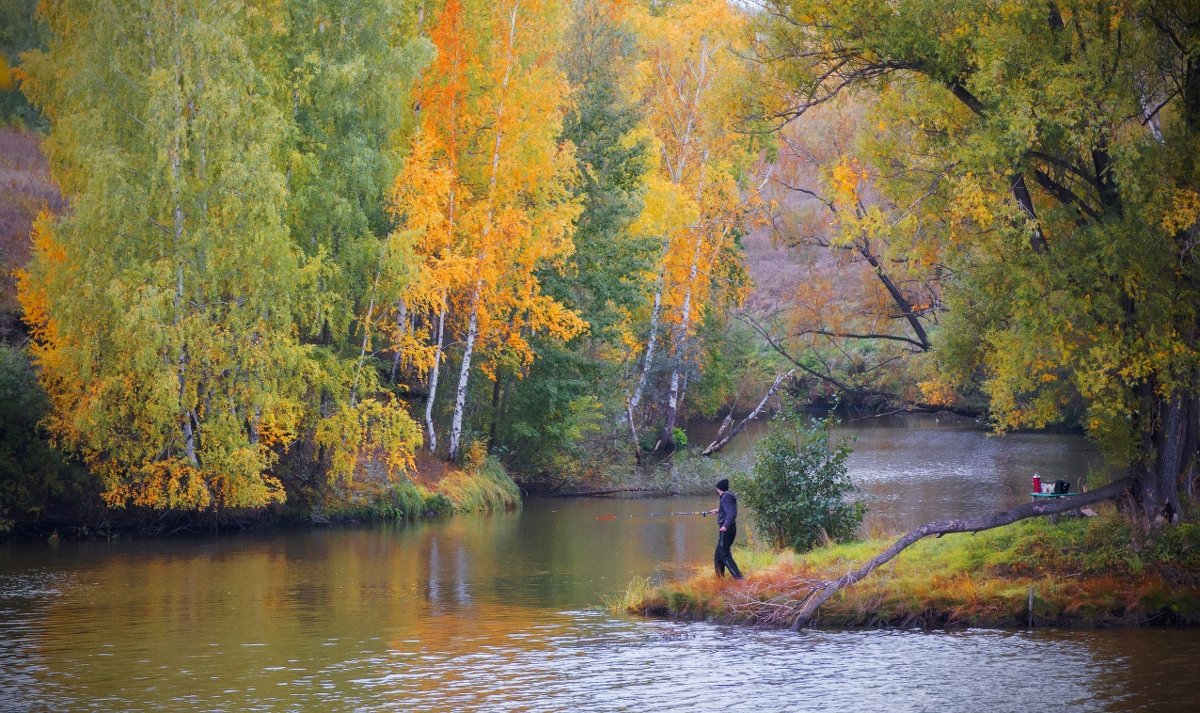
column 436, row 489
column 1093, row 572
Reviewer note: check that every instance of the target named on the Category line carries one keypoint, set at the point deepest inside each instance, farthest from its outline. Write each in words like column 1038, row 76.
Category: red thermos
column 1037, row 483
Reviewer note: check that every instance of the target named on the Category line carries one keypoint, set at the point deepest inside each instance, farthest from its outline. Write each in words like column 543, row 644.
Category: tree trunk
column 430, row 432
column 651, row 341
column 401, row 328
column 1165, row 470
column 178, row 216
column 636, row 397
column 464, row 374
column 460, row 397
column 497, row 405
column 366, row 339
column 667, row 441
column 819, row 595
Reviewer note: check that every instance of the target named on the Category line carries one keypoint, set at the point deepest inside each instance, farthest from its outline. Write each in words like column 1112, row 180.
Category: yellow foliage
column 938, row 393
column 7, row 80
column 1185, row 211
column 372, row 428
column 487, row 187
column 845, row 179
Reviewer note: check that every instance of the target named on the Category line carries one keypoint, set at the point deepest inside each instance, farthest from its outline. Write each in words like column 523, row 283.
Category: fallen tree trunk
column 824, row 590
column 720, row 442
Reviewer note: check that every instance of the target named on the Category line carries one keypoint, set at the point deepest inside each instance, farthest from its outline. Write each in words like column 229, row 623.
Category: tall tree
column 489, row 136
column 690, row 82
column 1070, row 130
column 162, row 301
column 551, row 420
column 346, row 74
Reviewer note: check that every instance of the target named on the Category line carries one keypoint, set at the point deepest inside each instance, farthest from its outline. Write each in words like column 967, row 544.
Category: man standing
column 726, row 512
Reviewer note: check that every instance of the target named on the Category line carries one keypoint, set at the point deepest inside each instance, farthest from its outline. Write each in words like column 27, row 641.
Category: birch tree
column 689, row 80
column 490, row 137
column 162, row 301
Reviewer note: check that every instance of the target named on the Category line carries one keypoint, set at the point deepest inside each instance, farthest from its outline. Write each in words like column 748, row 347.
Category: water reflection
column 500, row 612
column 912, row 469
column 497, row 613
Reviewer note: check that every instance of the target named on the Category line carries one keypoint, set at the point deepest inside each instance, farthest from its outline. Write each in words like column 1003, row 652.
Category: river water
column 504, row 612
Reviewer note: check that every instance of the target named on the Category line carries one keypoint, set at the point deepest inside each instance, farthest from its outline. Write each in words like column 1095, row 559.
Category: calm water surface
column 504, row 612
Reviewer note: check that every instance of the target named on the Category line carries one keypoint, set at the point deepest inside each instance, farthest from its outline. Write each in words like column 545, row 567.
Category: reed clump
column 479, row 484
column 1084, row 572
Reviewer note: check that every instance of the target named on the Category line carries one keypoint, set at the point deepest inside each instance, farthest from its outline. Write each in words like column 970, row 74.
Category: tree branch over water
column 824, row 590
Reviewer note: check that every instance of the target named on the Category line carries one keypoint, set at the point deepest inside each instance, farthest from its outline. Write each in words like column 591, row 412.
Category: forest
column 305, row 254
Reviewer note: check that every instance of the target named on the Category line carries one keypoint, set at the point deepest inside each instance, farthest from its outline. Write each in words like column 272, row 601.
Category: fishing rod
column 704, row 513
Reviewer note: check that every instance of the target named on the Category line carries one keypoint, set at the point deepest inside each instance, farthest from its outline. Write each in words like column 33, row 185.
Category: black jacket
column 727, row 510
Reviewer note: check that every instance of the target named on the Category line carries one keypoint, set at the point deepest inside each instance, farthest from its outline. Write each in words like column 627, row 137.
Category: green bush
column 33, row 475
column 799, row 487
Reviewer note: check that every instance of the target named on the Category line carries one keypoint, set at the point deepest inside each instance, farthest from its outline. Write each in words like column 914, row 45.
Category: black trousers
column 723, row 558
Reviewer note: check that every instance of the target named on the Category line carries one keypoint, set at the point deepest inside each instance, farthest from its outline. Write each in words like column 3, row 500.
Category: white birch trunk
column 430, row 432
column 636, row 397
column 464, row 374
column 401, row 330
column 681, row 342
column 189, row 434
column 366, row 340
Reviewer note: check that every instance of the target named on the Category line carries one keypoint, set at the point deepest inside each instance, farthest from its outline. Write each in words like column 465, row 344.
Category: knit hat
column 723, row 484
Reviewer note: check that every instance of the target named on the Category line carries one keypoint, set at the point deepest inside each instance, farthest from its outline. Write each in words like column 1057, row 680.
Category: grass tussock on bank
column 478, row 485
column 1093, row 572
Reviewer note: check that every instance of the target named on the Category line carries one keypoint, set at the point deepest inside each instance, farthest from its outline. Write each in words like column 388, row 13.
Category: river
column 504, row 612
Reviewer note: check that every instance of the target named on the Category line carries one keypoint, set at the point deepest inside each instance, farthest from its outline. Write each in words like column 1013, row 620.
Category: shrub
column 799, row 487
column 33, row 475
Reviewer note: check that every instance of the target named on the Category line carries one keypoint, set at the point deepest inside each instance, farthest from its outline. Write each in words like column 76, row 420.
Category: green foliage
column 799, row 487
column 735, row 366
column 347, row 70
column 609, row 263
column 555, row 411
column 20, row 31
column 569, row 402
column 1066, row 201
column 226, row 169
column 165, row 361
column 33, row 474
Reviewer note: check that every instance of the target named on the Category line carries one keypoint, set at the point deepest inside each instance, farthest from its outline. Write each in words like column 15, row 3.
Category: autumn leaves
column 290, row 220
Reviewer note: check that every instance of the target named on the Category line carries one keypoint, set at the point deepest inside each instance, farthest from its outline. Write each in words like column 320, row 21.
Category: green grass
column 485, row 487
column 1083, row 572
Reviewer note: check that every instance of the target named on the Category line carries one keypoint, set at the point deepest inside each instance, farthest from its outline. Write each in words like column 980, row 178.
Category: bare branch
column 720, row 443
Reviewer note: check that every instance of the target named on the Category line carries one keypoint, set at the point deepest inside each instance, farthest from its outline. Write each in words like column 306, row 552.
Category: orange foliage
column 485, row 187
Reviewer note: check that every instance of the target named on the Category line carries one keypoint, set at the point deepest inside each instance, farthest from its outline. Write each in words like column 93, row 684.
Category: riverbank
column 1083, row 573
column 435, row 489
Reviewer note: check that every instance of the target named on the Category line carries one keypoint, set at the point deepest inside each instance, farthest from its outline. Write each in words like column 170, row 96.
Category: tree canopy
column 1052, row 145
